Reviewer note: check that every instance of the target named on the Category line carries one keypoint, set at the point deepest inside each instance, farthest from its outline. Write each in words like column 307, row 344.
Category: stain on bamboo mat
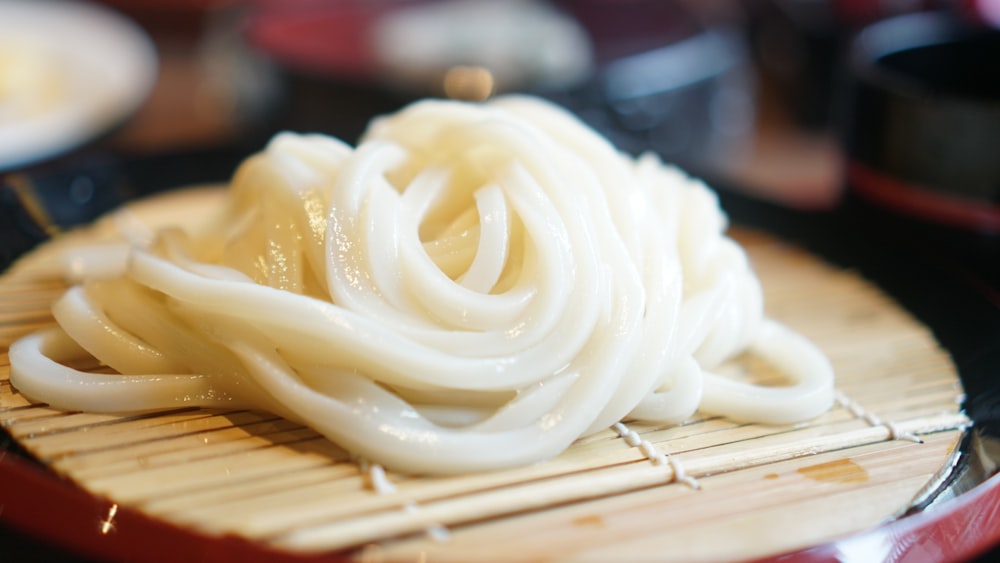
column 708, row 489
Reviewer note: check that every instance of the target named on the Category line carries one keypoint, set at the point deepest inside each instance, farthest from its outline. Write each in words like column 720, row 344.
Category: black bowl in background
column 922, row 120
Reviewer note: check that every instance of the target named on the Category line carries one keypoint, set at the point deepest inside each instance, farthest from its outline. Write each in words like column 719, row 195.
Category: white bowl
column 69, row 71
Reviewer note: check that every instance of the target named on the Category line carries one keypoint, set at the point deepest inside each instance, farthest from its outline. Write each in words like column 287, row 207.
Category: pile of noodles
column 474, row 286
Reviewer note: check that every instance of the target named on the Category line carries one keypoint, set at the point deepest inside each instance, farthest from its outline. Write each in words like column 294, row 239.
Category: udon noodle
column 474, row 286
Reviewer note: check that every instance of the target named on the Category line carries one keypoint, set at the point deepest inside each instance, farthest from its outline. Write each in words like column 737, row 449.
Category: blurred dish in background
column 649, row 74
column 410, row 45
column 668, row 79
column 923, row 126
column 343, row 62
column 522, row 43
column 69, row 72
column 921, row 131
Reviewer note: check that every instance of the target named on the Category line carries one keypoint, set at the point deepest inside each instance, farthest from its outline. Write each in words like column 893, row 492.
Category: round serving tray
column 245, row 484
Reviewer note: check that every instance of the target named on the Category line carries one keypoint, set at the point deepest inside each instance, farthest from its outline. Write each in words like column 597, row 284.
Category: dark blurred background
column 741, row 90
column 747, row 93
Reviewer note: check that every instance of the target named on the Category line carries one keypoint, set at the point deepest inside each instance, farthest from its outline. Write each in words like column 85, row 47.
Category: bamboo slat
column 727, row 490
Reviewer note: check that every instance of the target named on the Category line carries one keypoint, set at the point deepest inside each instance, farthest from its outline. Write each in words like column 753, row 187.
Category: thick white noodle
column 475, row 286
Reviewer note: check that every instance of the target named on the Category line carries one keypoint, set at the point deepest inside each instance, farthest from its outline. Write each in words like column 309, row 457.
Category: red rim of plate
column 920, row 201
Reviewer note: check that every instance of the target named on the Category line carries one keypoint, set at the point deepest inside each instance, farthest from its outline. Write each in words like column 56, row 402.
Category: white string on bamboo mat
column 377, row 479
column 633, row 439
column 873, row 419
column 380, row 483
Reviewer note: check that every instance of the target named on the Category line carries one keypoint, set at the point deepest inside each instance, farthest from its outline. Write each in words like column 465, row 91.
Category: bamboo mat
column 728, row 491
